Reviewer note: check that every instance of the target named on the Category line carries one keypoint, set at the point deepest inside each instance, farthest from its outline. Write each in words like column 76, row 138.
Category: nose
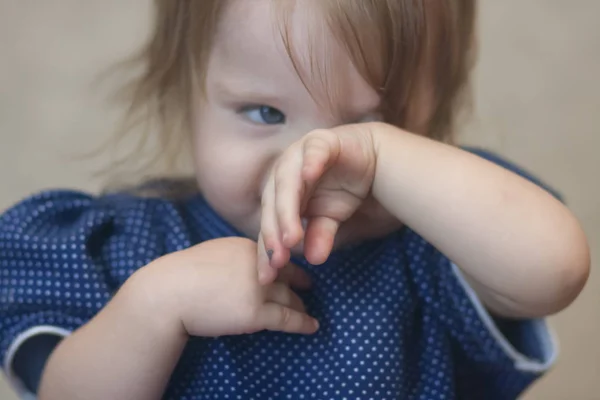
column 291, row 135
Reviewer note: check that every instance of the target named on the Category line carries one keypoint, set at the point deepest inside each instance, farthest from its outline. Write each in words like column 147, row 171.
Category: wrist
column 149, row 295
column 386, row 139
column 384, row 135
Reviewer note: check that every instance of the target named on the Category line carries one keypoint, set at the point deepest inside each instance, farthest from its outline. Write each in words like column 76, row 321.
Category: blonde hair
column 389, row 41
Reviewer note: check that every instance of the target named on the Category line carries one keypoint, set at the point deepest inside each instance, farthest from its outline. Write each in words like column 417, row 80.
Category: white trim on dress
column 13, row 380
column 544, row 334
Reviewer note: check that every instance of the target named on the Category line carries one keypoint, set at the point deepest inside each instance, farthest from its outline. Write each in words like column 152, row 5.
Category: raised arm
column 522, row 250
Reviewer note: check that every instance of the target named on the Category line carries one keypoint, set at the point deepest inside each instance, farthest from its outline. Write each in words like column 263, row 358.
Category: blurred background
column 537, row 90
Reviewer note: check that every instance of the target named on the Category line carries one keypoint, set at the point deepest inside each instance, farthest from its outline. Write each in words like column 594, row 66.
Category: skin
column 263, row 169
column 520, row 270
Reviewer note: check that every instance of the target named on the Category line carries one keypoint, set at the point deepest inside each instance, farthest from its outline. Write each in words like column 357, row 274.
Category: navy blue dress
column 398, row 321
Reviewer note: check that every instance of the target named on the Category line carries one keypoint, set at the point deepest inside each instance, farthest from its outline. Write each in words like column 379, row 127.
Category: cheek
column 230, row 171
column 230, row 167
column 229, row 175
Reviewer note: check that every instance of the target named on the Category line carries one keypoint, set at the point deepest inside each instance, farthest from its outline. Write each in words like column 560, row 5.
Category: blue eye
column 264, row 115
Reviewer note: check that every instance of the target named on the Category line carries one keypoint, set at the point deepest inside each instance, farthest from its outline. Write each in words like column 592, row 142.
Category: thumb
column 275, row 317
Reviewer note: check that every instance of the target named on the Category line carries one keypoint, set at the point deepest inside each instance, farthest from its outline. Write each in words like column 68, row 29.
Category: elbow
column 577, row 271
column 569, row 270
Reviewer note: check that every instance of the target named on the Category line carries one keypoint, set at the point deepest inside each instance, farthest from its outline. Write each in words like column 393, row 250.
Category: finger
column 289, row 192
column 320, row 237
column 266, row 273
column 277, row 254
column 275, row 317
column 320, row 150
column 280, row 293
column 295, row 276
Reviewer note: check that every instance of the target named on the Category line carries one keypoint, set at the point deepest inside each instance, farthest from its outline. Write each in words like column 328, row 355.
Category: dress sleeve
column 495, row 358
column 496, row 159
column 63, row 255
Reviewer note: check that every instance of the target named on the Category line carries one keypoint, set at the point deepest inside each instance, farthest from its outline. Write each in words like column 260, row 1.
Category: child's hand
column 214, row 290
column 323, row 178
column 210, row 289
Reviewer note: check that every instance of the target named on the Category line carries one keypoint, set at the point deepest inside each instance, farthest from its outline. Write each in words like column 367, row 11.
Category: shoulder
column 63, row 254
column 65, row 210
column 89, row 225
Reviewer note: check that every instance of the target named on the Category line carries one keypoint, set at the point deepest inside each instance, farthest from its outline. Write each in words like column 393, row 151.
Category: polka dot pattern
column 396, row 323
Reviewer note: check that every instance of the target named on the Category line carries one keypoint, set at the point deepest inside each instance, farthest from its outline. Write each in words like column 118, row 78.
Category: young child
column 321, row 134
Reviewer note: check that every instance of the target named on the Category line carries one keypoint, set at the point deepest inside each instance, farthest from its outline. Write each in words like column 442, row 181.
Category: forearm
column 128, row 351
column 523, row 251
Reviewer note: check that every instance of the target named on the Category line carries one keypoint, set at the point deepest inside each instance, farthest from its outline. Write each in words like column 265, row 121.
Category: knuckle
column 251, row 311
column 285, row 316
column 317, row 144
column 318, row 133
column 320, row 137
column 281, row 179
column 286, row 295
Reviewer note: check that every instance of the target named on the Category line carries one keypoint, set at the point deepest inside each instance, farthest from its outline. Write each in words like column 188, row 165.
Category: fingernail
column 285, row 238
column 316, row 323
column 270, row 254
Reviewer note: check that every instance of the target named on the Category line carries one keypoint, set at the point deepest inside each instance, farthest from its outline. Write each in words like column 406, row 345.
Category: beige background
column 538, row 102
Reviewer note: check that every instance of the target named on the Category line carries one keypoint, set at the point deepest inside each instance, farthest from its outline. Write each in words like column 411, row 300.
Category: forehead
column 251, row 41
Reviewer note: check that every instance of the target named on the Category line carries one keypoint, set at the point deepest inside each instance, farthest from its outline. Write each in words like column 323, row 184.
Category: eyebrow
column 231, row 87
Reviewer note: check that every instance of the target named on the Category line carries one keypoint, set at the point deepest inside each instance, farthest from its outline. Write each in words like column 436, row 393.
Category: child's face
column 255, row 104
